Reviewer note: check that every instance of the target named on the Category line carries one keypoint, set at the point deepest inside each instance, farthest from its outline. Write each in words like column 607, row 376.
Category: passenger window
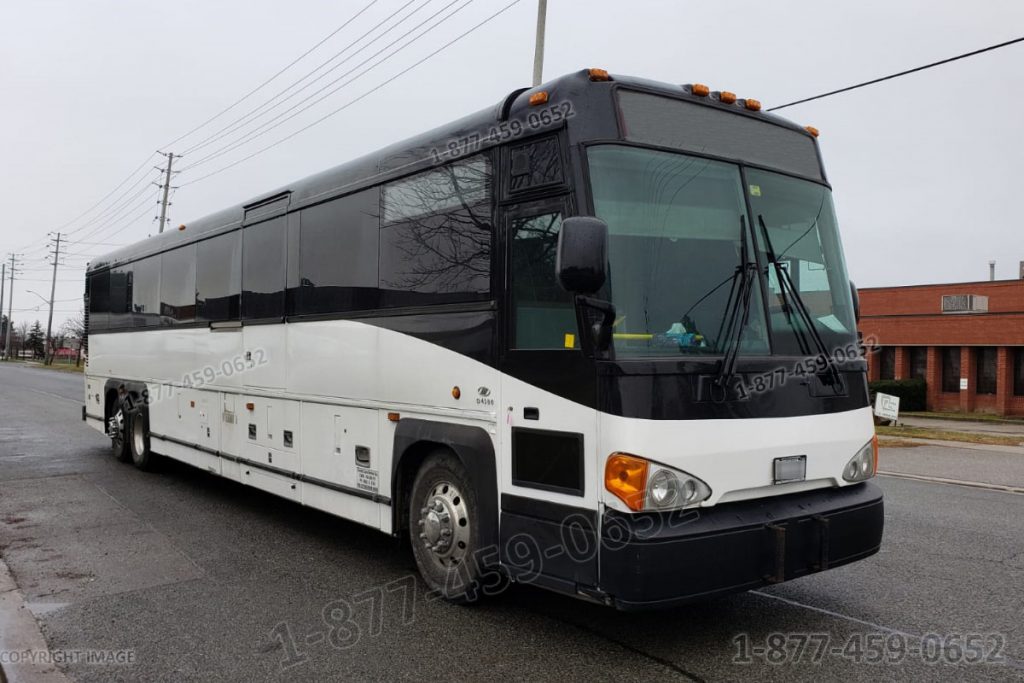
column 145, row 294
column 119, row 312
column 219, row 277
column 338, row 254
column 99, row 301
column 543, row 313
column 436, row 236
column 178, row 285
column 264, row 254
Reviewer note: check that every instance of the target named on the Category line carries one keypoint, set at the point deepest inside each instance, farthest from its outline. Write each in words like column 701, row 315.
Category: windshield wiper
column 791, row 301
column 737, row 309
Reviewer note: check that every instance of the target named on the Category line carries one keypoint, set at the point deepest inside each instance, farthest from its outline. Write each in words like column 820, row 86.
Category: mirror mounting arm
column 600, row 332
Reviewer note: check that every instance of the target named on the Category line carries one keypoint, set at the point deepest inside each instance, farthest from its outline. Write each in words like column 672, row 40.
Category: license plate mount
column 790, row 468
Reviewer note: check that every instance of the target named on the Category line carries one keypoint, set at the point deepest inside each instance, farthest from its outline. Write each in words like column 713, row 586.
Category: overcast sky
column 925, row 168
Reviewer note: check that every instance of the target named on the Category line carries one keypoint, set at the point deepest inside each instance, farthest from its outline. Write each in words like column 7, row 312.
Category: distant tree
column 20, row 335
column 36, row 340
column 74, row 330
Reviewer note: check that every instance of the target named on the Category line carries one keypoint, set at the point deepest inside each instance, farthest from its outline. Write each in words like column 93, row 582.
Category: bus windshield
column 676, row 224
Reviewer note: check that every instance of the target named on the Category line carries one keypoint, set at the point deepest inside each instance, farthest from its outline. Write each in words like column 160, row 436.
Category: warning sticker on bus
column 366, row 480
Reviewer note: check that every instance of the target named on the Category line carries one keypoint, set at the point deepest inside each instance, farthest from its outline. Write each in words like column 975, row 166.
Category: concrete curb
column 19, row 631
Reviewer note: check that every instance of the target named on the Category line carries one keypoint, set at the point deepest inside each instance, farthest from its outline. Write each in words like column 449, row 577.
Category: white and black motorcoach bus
column 599, row 337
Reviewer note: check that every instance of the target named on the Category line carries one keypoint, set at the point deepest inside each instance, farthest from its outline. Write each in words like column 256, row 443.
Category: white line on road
column 955, row 482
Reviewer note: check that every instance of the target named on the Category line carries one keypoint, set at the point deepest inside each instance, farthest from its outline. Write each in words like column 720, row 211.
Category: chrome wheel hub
column 444, row 525
column 115, row 426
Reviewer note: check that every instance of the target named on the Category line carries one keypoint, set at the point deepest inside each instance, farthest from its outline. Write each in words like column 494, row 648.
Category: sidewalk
column 969, row 426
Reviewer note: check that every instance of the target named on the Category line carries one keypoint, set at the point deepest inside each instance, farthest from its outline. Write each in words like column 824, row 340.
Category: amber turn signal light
column 727, row 97
column 874, row 451
column 626, row 477
column 538, row 98
column 394, row 417
column 700, row 90
column 812, row 130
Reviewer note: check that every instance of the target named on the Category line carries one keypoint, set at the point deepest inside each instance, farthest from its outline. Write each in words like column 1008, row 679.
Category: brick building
column 965, row 339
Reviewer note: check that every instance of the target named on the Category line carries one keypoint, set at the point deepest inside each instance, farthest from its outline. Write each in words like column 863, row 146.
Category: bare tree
column 74, row 329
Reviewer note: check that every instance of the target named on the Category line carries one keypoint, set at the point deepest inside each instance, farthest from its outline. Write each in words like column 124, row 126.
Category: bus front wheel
column 443, row 528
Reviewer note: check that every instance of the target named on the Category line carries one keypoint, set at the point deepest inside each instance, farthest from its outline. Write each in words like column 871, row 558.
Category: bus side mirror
column 582, row 254
column 856, row 301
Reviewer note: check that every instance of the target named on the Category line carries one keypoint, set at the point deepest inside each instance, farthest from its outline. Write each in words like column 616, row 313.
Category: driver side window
column 543, row 315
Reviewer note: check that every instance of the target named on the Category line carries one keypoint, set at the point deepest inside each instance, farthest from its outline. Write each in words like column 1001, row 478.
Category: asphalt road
column 201, row 578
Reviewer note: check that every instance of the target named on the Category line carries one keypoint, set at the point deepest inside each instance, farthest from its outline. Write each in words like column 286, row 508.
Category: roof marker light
column 538, row 98
column 812, row 130
column 752, row 105
column 727, row 97
column 700, row 90
column 599, row 75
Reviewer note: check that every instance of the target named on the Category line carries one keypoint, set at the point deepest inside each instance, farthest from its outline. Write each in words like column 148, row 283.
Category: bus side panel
column 335, row 439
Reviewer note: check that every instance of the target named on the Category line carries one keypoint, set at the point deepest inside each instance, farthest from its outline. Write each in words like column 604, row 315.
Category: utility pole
column 538, row 49
column 167, row 188
column 48, row 351
column 10, row 311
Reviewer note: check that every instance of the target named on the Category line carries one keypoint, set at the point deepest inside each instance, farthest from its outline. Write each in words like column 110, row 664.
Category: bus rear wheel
column 138, row 441
column 443, row 528
column 117, row 430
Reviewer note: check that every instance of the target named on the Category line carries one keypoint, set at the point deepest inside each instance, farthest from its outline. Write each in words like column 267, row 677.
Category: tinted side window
column 535, row 164
column 99, row 301
column 178, row 285
column 264, row 254
column 146, row 292
column 119, row 312
column 338, row 254
column 219, row 277
column 435, row 239
column 543, row 313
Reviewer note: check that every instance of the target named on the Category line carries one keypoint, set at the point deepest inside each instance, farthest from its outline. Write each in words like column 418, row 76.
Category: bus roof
column 413, row 154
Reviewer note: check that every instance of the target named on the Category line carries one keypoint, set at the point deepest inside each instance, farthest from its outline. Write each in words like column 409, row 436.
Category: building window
column 919, row 362
column 887, row 363
column 1018, row 371
column 985, row 381
column 950, row 369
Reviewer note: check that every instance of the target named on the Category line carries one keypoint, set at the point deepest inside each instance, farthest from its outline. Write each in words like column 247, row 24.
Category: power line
column 360, row 97
column 270, row 125
column 239, row 122
column 901, row 73
column 269, row 80
column 357, row 99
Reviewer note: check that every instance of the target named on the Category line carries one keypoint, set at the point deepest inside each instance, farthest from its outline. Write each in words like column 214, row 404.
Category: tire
column 444, row 528
column 138, row 441
column 119, row 441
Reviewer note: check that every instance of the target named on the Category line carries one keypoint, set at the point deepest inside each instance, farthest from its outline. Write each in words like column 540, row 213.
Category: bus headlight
column 864, row 464
column 648, row 486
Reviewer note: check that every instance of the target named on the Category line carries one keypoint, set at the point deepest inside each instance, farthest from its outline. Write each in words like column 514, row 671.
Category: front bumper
column 659, row 560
